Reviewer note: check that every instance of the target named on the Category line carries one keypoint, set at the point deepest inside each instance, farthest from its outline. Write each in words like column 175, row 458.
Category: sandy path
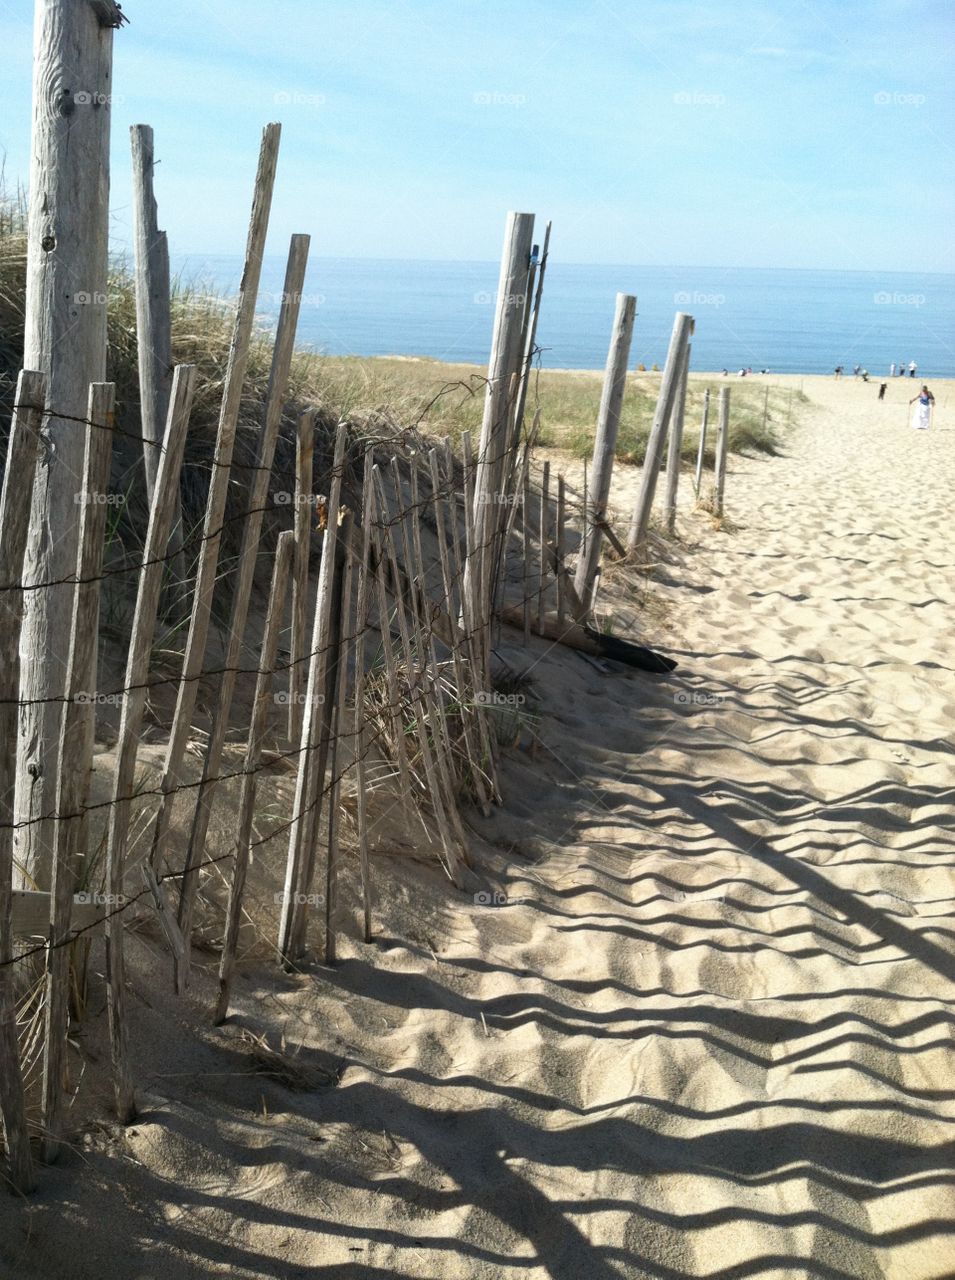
column 708, row 1033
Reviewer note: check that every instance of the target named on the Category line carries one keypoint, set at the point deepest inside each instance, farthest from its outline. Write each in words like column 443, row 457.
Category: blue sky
column 790, row 133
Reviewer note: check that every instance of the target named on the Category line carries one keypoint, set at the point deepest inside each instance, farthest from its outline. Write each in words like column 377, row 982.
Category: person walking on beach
column 892, row 372
column 882, row 390
column 913, row 368
column 925, row 402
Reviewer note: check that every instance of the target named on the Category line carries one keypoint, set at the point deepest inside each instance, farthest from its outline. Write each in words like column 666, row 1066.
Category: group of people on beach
column 900, row 369
column 924, row 402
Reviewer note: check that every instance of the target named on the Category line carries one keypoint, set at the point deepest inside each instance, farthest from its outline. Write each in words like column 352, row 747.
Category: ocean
column 787, row 321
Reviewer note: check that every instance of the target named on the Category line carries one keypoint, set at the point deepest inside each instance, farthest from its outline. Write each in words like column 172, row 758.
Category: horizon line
column 674, row 266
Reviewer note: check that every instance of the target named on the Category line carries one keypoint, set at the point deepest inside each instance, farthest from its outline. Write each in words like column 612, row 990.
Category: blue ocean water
column 788, row 321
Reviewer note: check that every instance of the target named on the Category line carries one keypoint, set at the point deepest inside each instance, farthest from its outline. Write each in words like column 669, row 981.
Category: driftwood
column 587, row 640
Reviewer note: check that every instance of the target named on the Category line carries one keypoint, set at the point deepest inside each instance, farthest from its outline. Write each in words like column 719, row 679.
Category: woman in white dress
column 924, row 404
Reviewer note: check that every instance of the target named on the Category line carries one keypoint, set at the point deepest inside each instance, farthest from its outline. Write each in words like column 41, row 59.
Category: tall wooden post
column 74, row 768
column 701, row 452
column 22, row 450
column 605, row 444
column 669, row 383
column 152, row 303
column 64, row 338
column 722, row 446
column 131, row 719
column 218, row 487
column 153, row 320
column 506, row 353
column 242, row 591
column 676, row 446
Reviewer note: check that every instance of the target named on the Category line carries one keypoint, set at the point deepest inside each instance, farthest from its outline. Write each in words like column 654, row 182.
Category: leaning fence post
column 253, row 754
column 640, row 521
column 543, row 539
column 676, row 446
column 504, row 365
column 153, row 320
column 314, row 740
column 701, row 452
column 362, row 622
column 722, row 445
column 304, row 453
column 134, row 702
column 242, row 590
column 22, row 450
column 605, row 444
column 218, row 490
column 338, row 685
column 75, row 759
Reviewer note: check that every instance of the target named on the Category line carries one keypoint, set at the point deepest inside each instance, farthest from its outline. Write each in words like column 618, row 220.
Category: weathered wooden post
column 242, row 591
column 304, row 454
column 701, row 452
column 22, row 451
column 250, row 768
column 543, row 538
column 676, row 446
column 134, row 705
column 218, row 487
column 640, row 522
column 531, row 337
column 722, row 445
column 153, row 319
column 506, row 353
column 605, row 444
column 75, row 764
column 153, row 324
column 65, row 338
column 309, row 786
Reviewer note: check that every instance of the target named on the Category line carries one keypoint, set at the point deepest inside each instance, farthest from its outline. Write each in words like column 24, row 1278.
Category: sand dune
column 708, row 1033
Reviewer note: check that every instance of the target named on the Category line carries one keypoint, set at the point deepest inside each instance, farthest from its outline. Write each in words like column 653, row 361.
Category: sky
column 784, row 133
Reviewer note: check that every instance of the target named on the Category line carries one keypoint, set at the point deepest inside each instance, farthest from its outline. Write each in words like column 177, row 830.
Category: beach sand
column 707, row 1032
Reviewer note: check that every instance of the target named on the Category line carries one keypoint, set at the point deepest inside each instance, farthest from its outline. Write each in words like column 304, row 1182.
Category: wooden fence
column 387, row 678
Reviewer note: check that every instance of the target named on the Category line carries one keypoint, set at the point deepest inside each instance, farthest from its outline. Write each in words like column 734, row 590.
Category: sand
column 707, row 1031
